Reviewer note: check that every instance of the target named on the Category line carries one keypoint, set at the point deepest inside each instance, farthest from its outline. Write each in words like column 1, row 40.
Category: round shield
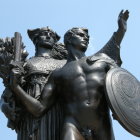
column 123, row 95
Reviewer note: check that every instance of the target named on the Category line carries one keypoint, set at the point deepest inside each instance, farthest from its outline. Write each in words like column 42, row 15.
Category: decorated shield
column 123, row 95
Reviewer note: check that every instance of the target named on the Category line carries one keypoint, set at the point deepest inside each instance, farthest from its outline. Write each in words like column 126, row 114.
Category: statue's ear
column 69, row 42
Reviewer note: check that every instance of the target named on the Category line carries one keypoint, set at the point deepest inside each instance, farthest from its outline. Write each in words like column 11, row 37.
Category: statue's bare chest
column 81, row 82
column 81, row 71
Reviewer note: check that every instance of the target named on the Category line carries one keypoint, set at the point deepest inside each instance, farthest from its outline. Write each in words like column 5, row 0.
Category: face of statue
column 80, row 40
column 45, row 39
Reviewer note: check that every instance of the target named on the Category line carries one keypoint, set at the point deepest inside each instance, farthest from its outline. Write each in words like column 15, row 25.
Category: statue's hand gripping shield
column 123, row 96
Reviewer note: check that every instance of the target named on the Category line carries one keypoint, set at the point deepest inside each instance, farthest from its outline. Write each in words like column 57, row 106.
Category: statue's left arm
column 112, row 48
column 122, row 26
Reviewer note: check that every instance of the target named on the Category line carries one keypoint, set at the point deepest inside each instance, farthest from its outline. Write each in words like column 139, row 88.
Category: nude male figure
column 80, row 85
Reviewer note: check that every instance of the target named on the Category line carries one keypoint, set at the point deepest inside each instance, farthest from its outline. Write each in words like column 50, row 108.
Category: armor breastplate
column 42, row 65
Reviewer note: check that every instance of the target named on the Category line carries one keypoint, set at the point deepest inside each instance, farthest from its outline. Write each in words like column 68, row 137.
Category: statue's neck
column 74, row 54
column 43, row 52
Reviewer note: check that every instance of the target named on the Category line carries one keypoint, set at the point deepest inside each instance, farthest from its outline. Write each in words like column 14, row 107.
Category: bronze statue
column 70, row 100
column 37, row 70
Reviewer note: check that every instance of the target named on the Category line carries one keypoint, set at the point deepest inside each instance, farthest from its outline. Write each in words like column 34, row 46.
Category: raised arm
column 34, row 106
column 122, row 26
column 112, row 48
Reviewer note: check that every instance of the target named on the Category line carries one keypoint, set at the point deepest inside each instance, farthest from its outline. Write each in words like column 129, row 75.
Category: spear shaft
column 18, row 44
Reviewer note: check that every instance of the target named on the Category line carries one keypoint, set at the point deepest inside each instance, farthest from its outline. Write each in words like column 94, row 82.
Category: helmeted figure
column 66, row 100
column 38, row 69
column 49, row 55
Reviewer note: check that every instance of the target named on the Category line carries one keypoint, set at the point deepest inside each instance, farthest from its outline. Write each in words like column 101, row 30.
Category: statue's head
column 77, row 38
column 43, row 37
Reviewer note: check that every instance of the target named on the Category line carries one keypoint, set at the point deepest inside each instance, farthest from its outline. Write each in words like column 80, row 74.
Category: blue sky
column 100, row 17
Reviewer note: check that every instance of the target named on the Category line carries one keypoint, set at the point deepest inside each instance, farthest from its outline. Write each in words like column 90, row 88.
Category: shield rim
column 123, row 121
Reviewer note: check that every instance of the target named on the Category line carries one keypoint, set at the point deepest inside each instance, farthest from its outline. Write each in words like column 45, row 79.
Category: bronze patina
column 59, row 94
column 123, row 94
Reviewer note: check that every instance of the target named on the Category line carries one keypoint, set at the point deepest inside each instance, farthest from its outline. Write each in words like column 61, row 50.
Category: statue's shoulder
column 42, row 65
column 101, row 57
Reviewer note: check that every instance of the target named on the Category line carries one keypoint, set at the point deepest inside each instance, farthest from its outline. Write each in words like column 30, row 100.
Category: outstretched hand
column 122, row 19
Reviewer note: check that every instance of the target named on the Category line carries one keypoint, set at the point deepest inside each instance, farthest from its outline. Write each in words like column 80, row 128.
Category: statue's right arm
column 35, row 106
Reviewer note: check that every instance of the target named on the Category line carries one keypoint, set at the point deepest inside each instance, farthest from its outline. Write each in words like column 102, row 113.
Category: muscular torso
column 82, row 91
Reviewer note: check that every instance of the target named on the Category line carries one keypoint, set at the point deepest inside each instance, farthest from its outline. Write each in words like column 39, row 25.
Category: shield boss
column 123, row 95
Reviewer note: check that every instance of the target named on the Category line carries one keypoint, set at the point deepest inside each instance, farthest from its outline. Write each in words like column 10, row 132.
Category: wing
column 112, row 49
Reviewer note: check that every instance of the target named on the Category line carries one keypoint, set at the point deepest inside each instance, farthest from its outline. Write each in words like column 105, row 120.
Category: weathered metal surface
column 123, row 95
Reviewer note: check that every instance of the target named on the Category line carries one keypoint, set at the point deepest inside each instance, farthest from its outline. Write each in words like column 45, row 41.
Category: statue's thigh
column 70, row 132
